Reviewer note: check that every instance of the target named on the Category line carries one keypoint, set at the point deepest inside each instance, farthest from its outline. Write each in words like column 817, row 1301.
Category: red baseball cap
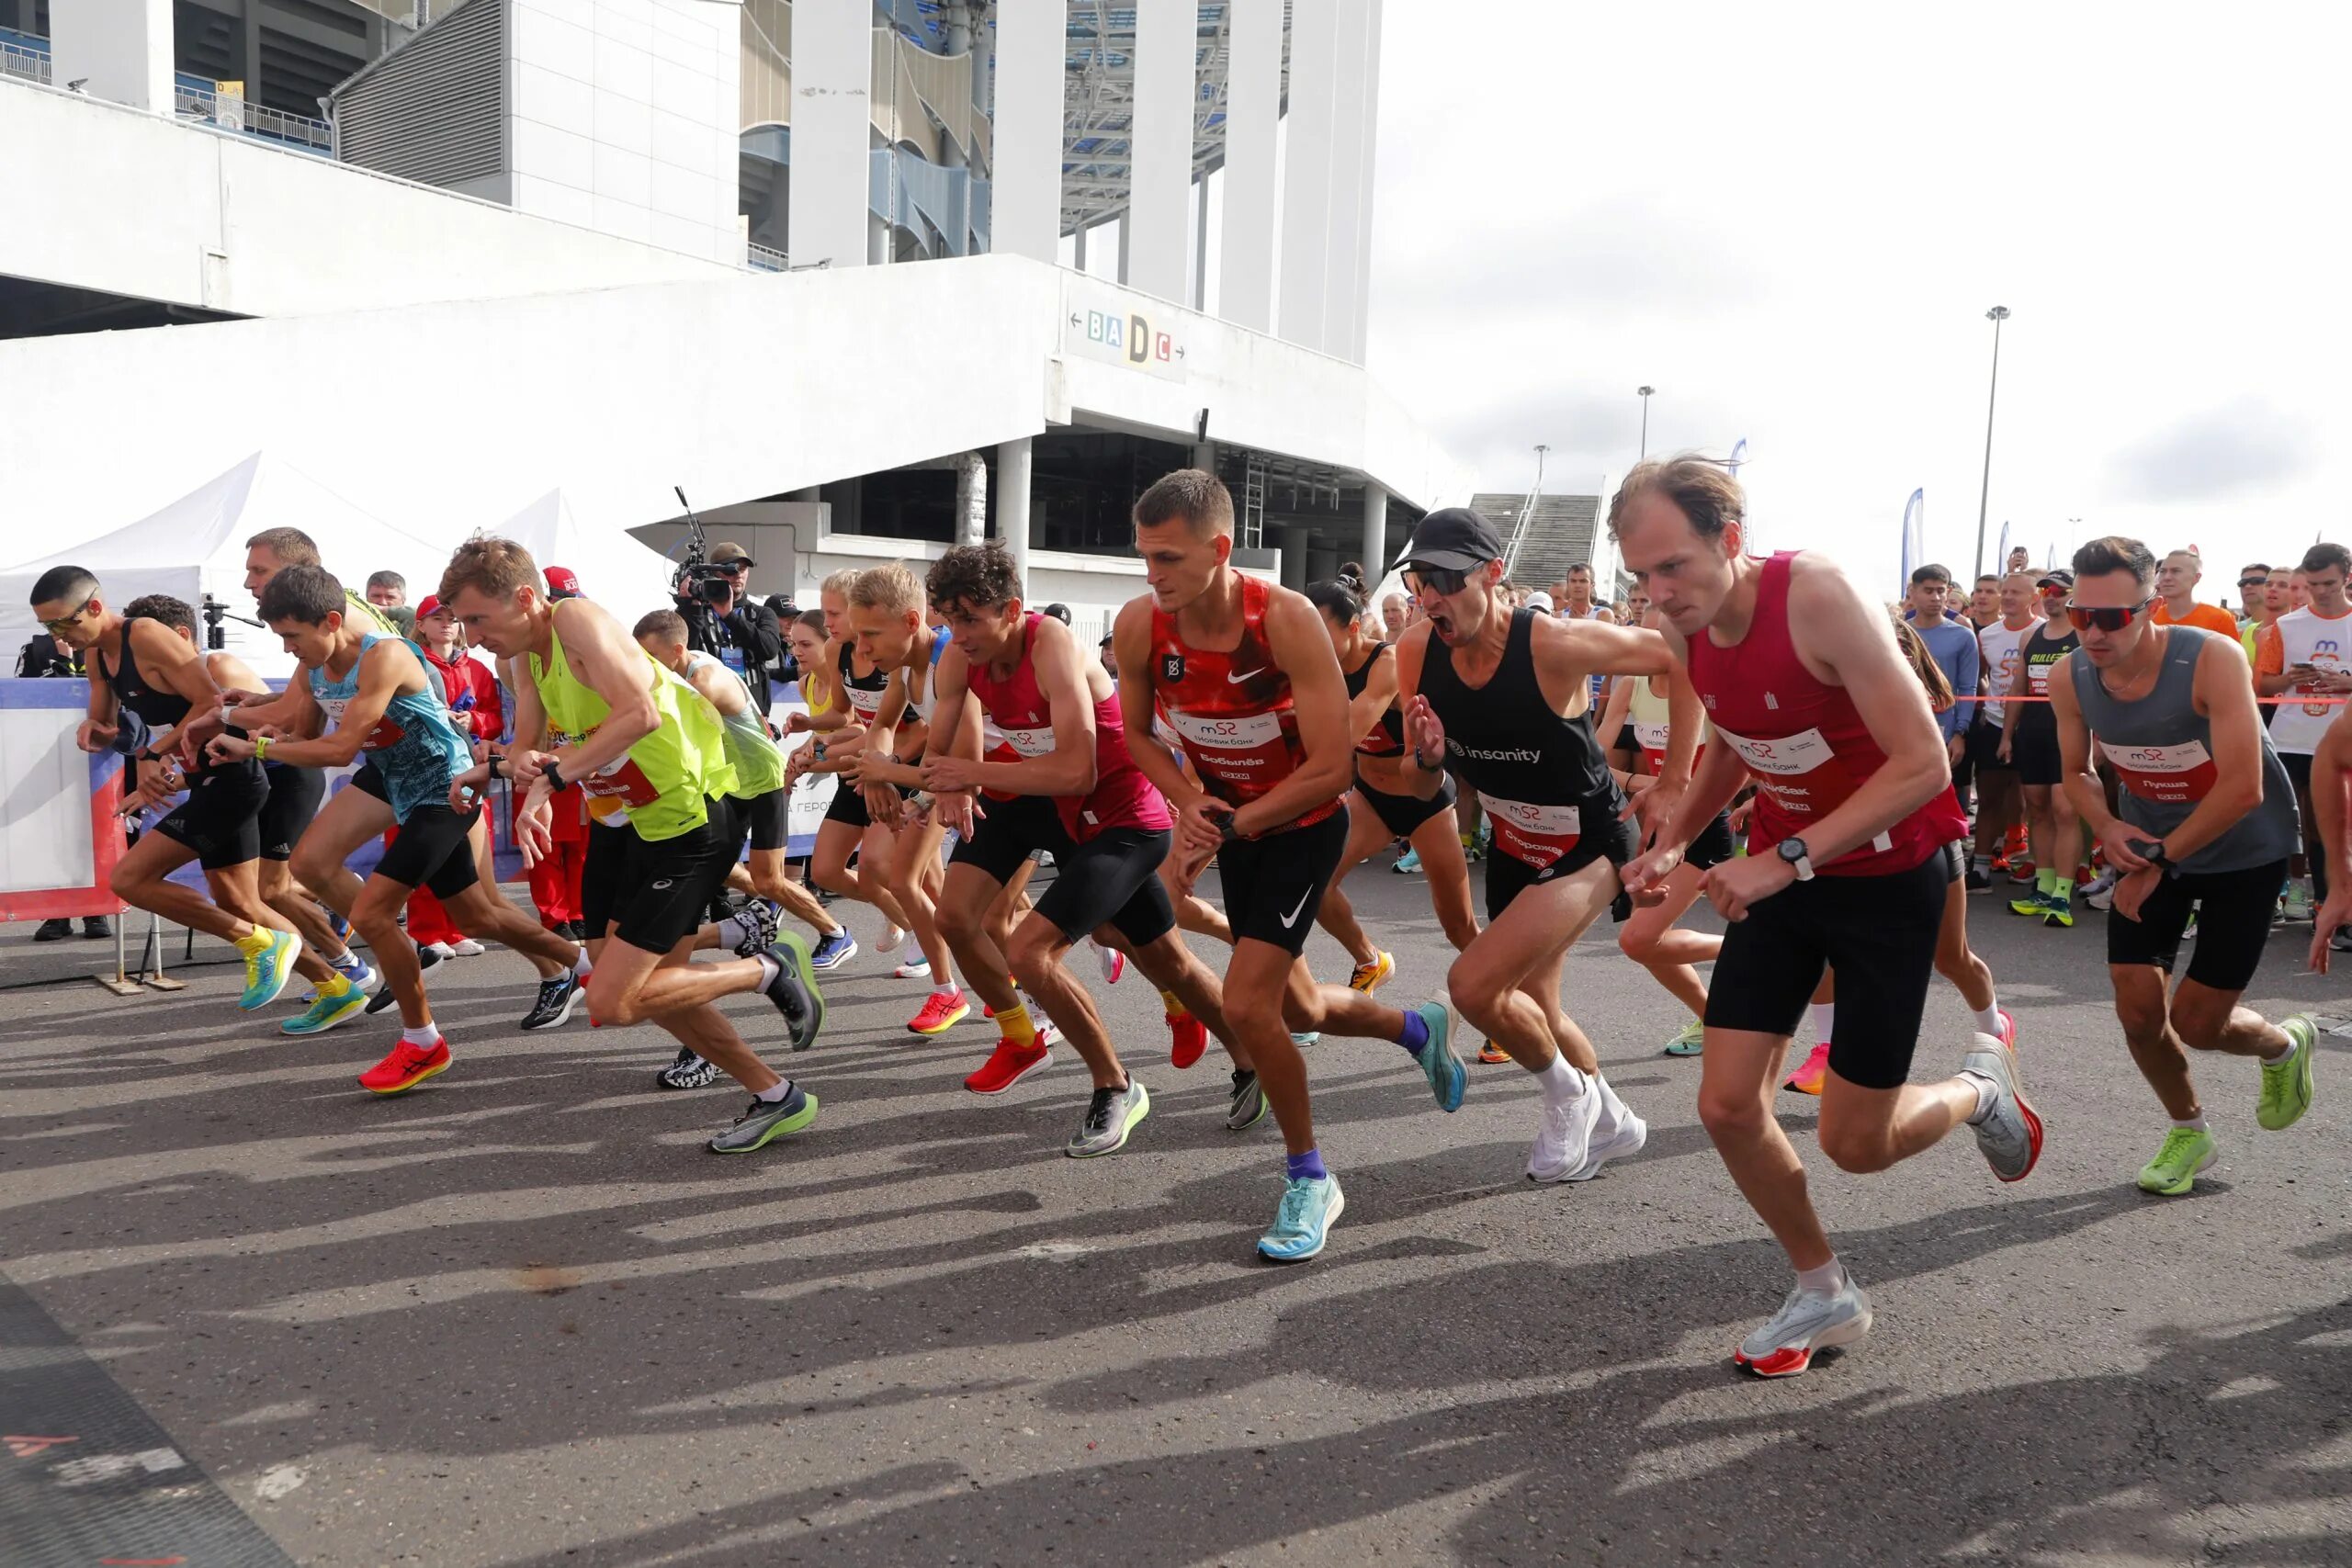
column 430, row 606
column 562, row 584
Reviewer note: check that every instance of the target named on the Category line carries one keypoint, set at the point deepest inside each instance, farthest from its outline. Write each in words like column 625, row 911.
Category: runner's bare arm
column 818, row 681
column 386, row 669
column 2079, row 777
column 1069, row 769
column 1379, row 690
column 720, row 688
column 1318, row 694
column 1131, row 641
column 608, row 662
column 877, row 765
column 174, row 665
column 1717, row 779
column 1425, row 757
column 1615, row 712
column 951, row 679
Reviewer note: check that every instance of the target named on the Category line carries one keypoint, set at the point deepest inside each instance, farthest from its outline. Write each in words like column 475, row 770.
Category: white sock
column 1825, row 1015
column 1988, row 1017
column 583, row 965
column 2284, row 1052
column 2194, row 1124
column 780, row 1089
column 1825, row 1281
column 1986, row 1093
column 953, row 993
column 422, row 1037
column 769, row 970
column 1561, row 1081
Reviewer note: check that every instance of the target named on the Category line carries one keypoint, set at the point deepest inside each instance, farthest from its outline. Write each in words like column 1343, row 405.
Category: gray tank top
column 2159, row 747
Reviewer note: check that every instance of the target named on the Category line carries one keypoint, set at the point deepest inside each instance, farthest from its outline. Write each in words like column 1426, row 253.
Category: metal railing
column 760, row 258
column 31, row 64
column 295, row 131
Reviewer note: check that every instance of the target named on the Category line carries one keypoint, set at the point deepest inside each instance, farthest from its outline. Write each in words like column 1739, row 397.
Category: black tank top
column 1389, row 740
column 2039, row 653
column 863, row 692
column 1540, row 777
column 160, row 708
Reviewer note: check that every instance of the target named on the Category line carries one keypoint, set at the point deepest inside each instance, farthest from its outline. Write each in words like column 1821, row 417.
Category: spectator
column 1953, row 644
column 1984, row 602
column 787, row 664
column 1059, row 612
column 724, row 620
column 2176, row 605
column 388, row 591
column 2253, row 579
column 2017, row 560
column 1110, row 658
column 2303, row 654
column 562, row 582
column 1396, row 613
column 46, row 656
column 1576, row 597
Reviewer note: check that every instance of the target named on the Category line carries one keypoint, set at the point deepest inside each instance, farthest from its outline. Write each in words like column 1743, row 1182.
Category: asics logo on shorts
column 657, row 886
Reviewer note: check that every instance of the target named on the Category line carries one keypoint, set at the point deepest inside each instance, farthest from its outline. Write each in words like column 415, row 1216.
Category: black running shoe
column 689, row 1071
column 794, row 990
column 425, row 959
column 557, row 997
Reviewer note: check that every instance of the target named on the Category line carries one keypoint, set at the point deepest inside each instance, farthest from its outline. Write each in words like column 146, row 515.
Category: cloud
column 2243, row 446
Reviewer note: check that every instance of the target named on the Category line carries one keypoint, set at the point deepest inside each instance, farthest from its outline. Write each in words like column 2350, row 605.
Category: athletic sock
column 2194, row 1124
column 583, row 965
column 1308, row 1165
column 783, row 1091
column 1015, row 1023
column 1824, row 1018
column 1987, row 1091
column 2043, row 879
column 769, row 970
column 2286, row 1051
column 1416, row 1036
column 422, row 1037
column 1825, row 1281
column 1173, row 1003
column 1988, row 1017
column 2062, row 890
column 350, row 964
column 1561, row 1081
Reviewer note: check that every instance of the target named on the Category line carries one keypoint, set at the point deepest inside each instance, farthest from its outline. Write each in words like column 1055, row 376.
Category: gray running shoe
column 753, row 928
column 1784, row 1345
column 794, row 990
column 1249, row 1104
column 765, row 1120
column 1110, row 1115
column 2009, row 1134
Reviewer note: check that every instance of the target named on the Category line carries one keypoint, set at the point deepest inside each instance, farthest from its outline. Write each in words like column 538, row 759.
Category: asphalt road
column 520, row 1316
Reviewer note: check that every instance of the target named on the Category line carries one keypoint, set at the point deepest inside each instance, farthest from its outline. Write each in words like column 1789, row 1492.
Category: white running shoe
column 917, row 967
column 440, row 950
column 1113, row 962
column 892, row 939
column 1564, row 1141
column 1617, row 1133
column 1784, row 1343
column 466, row 947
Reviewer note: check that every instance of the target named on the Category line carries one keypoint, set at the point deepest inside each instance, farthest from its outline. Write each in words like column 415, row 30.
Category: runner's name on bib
column 386, row 732
column 1788, row 757
column 2168, row 775
column 1800, row 774
column 1037, row 742
column 1535, row 834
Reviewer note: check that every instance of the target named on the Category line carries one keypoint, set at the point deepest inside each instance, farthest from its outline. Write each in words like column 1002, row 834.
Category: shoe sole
column 1618, row 1148
column 958, row 1016
column 2033, row 1118
column 1376, row 981
column 2181, row 1187
column 563, row 1017
column 1330, row 1217
column 1685, row 1047
column 1788, row 1361
column 1253, row 1121
column 353, row 1007
column 1042, row 1062
column 843, row 956
column 403, row 1088
column 783, row 1127
column 1134, row 1119
column 1458, row 1075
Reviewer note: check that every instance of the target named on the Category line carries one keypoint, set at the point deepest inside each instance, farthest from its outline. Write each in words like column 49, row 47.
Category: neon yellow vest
column 660, row 787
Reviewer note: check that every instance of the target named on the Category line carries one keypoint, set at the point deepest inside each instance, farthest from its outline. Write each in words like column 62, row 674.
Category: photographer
column 723, row 619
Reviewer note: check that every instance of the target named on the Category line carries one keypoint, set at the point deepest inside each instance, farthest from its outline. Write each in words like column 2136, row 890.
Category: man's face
column 2299, row 593
column 1688, row 577
column 2016, row 596
column 2054, row 602
column 73, row 621
column 2325, row 587
column 2178, row 575
column 1580, row 587
column 310, row 642
column 500, row 622
column 261, row 565
column 384, row 598
column 2111, row 591
column 1928, row 598
column 1110, row 657
column 1180, row 562
column 1638, row 605
column 985, row 632
column 2278, row 595
column 1984, row 604
column 738, row 575
column 665, row 650
column 1458, row 603
column 1392, row 614
column 883, row 637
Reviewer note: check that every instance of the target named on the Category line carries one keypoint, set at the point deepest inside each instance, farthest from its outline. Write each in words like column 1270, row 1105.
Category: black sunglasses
column 2254, row 583
column 2105, row 618
column 69, row 623
column 1439, row 581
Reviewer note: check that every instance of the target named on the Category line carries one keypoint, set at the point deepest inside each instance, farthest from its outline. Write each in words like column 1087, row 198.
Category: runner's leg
column 1366, row 833
column 1448, row 874
column 1652, row 940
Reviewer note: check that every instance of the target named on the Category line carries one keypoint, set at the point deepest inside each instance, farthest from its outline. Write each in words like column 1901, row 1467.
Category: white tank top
column 2306, row 637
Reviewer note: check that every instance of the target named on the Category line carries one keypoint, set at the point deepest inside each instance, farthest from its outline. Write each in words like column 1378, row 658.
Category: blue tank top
column 416, row 746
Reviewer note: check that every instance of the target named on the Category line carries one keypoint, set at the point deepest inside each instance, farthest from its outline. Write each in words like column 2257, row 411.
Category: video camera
column 697, row 581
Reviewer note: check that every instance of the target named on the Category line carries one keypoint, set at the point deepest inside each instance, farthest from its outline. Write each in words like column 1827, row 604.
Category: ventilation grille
column 434, row 110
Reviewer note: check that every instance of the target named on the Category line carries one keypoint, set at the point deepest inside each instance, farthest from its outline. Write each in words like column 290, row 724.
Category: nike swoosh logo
column 1232, row 678
column 1292, row 918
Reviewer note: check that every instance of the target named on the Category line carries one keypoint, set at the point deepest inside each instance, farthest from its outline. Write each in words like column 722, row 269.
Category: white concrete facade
column 832, row 67
column 118, row 49
column 1158, row 180
column 1253, row 93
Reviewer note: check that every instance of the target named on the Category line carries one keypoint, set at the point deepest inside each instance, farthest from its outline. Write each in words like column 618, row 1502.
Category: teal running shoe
column 1439, row 1065
column 268, row 971
column 326, row 1013
column 1408, row 863
column 1691, row 1042
column 1304, row 1222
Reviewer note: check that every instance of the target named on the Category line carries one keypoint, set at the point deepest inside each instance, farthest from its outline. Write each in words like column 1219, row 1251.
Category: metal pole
column 1996, row 315
column 1646, row 392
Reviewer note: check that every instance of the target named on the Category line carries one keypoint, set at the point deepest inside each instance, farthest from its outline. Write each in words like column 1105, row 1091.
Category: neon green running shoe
column 2033, row 902
column 326, row 1013
column 2287, row 1085
column 268, row 971
column 2057, row 910
column 2174, row 1171
column 1690, row 1042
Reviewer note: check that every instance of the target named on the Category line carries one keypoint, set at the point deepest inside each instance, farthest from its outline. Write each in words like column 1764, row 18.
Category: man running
column 650, row 757
column 1246, row 679
column 142, row 668
column 2206, row 822
column 1845, row 866
column 2305, row 656
column 1501, row 696
column 378, row 697
column 2030, row 744
column 1056, row 777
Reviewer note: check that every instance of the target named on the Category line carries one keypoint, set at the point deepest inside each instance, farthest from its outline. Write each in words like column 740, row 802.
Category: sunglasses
column 2254, row 583
column 1436, row 582
column 2105, row 618
column 70, row 622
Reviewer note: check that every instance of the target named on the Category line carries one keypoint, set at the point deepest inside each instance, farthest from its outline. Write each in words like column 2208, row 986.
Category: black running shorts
column 431, row 852
column 1273, row 884
column 294, row 798
column 1879, row 932
column 367, row 779
column 1600, row 835
column 768, row 816
column 2234, row 914
column 220, row 818
column 1714, row 845
column 1402, row 813
column 1008, row 833
column 1113, row 879
column 657, row 891
column 2033, row 749
column 848, row 805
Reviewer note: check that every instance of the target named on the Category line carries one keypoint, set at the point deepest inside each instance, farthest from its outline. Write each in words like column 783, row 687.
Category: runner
column 477, row 707
column 1056, row 777
column 654, row 763
column 2000, row 800
column 2030, row 744
column 1382, row 808
column 1643, row 704
column 1501, row 698
column 142, row 667
column 2305, row 656
column 1248, row 680
column 1845, row 866
column 2206, row 821
column 378, row 697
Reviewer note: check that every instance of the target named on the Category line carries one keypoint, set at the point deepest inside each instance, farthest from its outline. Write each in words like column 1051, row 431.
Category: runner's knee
column 1732, row 1115
column 1861, row 1152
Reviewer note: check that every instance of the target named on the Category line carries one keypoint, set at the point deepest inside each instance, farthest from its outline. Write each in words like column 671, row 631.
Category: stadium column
column 1253, row 91
column 1354, row 63
column 833, row 66
column 1013, row 504
column 1315, row 31
column 1374, row 550
column 1025, row 196
column 1159, row 175
column 121, row 50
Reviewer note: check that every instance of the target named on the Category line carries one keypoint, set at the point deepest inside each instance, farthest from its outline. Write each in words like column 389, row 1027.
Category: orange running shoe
column 1188, row 1037
column 942, row 1010
column 1009, row 1064
column 1807, row 1079
column 1493, row 1055
column 407, row 1066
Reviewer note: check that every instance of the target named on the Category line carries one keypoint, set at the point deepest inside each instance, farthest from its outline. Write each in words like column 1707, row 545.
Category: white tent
column 196, row 546
column 624, row 576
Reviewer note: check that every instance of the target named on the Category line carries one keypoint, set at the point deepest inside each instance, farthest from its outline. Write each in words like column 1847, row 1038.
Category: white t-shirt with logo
column 2308, row 638
column 2000, row 647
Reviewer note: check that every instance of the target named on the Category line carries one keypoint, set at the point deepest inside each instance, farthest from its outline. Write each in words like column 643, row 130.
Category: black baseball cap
column 1452, row 538
column 2061, row 577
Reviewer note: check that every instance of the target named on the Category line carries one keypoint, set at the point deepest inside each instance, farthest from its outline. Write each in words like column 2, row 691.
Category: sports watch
column 1794, row 852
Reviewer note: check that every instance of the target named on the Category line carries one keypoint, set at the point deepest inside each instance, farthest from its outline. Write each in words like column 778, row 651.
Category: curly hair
column 305, row 593
column 176, row 612
column 978, row 577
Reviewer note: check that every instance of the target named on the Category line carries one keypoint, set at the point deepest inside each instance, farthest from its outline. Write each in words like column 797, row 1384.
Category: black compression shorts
column 294, row 798
column 220, row 818
column 656, row 890
column 768, row 816
column 2234, row 912
column 1273, row 884
column 431, row 852
column 1601, row 835
column 1402, row 813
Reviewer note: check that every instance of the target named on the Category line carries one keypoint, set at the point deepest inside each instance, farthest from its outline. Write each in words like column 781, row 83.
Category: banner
column 2001, row 560
column 1915, row 538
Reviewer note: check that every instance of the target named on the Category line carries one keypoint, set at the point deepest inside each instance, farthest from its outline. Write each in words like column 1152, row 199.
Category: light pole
column 1996, row 315
column 1646, row 392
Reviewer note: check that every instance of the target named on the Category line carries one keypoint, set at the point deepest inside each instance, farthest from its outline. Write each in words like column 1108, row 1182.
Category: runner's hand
column 526, row 767
column 228, row 749
column 2132, row 891
column 92, row 736
column 535, row 823
column 1424, row 732
column 468, row 787
column 943, row 776
column 2337, row 912
column 2123, row 844
column 1646, row 872
column 2004, row 752
column 799, row 724
column 1739, row 817
column 1200, row 828
column 1740, row 883
column 956, row 812
column 883, row 802
column 1186, row 873
column 1654, row 808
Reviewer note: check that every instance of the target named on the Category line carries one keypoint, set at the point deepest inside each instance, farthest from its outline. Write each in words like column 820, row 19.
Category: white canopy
column 624, row 576
column 196, row 546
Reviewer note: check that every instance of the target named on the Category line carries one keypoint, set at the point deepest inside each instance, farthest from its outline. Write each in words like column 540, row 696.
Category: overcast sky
column 1792, row 220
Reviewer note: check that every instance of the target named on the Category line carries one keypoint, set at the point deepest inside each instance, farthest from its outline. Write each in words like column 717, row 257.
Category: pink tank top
column 1803, row 741
column 1122, row 796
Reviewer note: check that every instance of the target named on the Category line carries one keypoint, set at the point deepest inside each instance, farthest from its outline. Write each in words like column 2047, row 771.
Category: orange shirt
column 2204, row 617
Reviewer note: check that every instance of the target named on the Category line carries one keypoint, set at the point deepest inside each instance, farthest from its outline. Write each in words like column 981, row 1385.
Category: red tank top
column 1232, row 710
column 1803, row 741
column 1122, row 796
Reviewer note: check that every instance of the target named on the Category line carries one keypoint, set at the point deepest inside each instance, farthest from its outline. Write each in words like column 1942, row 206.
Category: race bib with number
column 1800, row 773
column 1537, row 835
column 386, row 732
column 2168, row 775
column 1242, row 749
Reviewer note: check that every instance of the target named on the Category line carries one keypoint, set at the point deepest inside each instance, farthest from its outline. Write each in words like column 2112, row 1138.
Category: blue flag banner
column 1915, row 538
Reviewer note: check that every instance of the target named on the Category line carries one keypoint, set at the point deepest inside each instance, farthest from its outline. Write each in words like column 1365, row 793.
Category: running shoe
column 2287, row 1085
column 1563, row 1139
column 2186, row 1151
column 764, row 1120
column 1439, row 1065
column 425, row 959
column 794, row 990
column 1110, row 1115
column 1486, row 840
column 1367, row 977
column 1408, row 863
column 440, row 950
column 2009, row 1133
column 2034, row 903
column 2342, row 941
column 1303, row 1220
column 2099, row 891
column 2299, row 899
column 1493, row 1055
column 915, row 968
column 1113, row 963
column 1622, row 1138
column 1304, row 1038
column 942, row 1010
column 326, row 1013
column 362, row 977
column 1010, row 1063
column 832, row 951
column 2022, row 870
column 689, row 1071
column 755, row 928
column 892, row 939
column 1472, row 849
column 2008, row 1028
column 466, row 947
column 1976, row 878
column 1690, row 1040
column 1784, row 1345
column 1247, row 1106
column 1807, row 1079
column 406, row 1066
column 268, row 971
column 337, row 924
column 2001, row 864
column 1188, row 1040
column 2058, row 910
column 558, row 995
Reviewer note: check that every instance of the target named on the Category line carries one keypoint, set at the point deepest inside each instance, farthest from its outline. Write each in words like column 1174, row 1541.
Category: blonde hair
column 890, row 587
column 1923, row 661
column 840, row 582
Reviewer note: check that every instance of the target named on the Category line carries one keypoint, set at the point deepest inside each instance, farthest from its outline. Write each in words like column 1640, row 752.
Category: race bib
column 2168, row 775
column 1245, row 749
column 1036, row 743
column 386, row 732
column 1799, row 774
column 613, row 791
column 1537, row 835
